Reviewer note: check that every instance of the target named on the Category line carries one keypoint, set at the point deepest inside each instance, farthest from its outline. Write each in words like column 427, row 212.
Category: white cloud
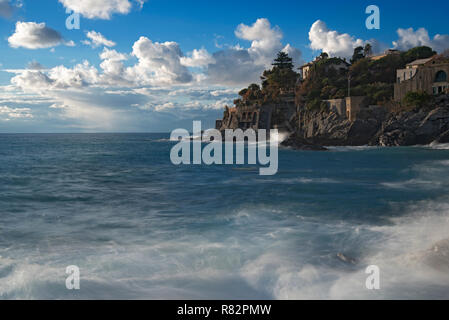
column 164, row 107
column 97, row 39
column 112, row 65
column 331, row 41
column 198, row 58
column 409, row 38
column 60, row 77
column 238, row 65
column 101, row 9
column 7, row 113
column 266, row 40
column 159, row 84
column 32, row 35
column 32, row 81
column 158, row 64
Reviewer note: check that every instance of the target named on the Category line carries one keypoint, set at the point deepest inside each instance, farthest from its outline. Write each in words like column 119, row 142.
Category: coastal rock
column 414, row 128
column 331, row 129
column 300, row 144
column 444, row 138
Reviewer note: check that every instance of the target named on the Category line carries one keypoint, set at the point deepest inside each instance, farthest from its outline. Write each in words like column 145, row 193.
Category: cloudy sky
column 156, row 65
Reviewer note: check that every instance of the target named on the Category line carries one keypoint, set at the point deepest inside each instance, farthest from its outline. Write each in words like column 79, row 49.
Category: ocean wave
column 412, row 255
column 439, row 146
column 353, row 148
column 412, row 184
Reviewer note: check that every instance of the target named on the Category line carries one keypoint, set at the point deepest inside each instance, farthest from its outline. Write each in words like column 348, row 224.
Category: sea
column 138, row 227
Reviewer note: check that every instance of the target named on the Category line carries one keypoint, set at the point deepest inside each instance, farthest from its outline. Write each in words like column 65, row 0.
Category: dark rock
column 444, row 138
column 300, row 144
column 414, row 128
column 346, row 259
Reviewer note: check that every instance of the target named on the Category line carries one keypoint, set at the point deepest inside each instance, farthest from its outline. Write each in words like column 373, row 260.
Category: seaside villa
column 425, row 75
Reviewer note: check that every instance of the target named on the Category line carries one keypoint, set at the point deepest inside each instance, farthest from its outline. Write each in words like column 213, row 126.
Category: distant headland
column 393, row 99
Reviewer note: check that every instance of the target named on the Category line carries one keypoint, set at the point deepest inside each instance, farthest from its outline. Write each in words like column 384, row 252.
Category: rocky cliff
column 376, row 127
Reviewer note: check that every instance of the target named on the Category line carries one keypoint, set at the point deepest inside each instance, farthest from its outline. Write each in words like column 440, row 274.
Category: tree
column 283, row 61
column 324, row 56
column 418, row 53
column 358, row 55
column 368, row 51
column 418, row 99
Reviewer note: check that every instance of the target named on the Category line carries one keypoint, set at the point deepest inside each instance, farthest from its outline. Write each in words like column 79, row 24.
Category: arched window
column 441, row 76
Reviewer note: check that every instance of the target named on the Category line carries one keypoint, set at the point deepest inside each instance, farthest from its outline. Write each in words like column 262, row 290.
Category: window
column 441, row 76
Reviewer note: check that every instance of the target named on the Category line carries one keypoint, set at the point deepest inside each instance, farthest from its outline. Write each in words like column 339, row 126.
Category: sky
column 157, row 65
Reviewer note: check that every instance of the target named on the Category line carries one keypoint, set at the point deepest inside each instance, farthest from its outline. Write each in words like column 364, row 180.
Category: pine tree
column 283, row 61
column 368, row 51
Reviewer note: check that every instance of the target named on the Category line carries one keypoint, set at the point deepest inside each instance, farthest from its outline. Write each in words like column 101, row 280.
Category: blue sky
column 157, row 65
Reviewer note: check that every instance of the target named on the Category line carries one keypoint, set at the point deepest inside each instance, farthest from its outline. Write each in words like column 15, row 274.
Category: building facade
column 425, row 75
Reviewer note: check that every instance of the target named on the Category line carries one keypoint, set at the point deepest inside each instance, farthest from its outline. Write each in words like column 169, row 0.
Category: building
column 424, row 75
column 305, row 70
column 349, row 107
column 274, row 115
column 330, row 63
column 388, row 52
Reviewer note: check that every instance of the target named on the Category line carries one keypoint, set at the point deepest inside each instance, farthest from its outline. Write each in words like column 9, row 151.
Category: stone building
column 424, row 75
column 274, row 115
column 332, row 63
column 305, row 70
column 349, row 107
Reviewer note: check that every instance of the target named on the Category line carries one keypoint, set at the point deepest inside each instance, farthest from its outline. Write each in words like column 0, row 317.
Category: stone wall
column 354, row 106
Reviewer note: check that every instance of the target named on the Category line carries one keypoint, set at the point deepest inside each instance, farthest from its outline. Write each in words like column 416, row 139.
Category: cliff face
column 330, row 129
column 375, row 127
column 415, row 128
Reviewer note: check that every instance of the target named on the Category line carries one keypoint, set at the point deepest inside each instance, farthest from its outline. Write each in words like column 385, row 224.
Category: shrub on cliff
column 417, row 99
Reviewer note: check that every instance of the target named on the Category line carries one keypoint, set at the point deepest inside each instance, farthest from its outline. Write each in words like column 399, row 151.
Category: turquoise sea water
column 139, row 227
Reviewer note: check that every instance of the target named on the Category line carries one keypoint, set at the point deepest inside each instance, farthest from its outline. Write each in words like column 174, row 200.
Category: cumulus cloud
column 331, row 41
column 96, row 39
column 198, row 58
column 60, row 77
column 239, row 65
column 160, row 81
column 409, row 38
column 32, row 35
column 266, row 40
column 101, row 9
column 158, row 63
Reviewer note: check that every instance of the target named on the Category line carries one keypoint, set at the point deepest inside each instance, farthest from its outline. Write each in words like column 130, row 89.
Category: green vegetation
column 329, row 79
column 280, row 79
column 368, row 77
column 417, row 99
